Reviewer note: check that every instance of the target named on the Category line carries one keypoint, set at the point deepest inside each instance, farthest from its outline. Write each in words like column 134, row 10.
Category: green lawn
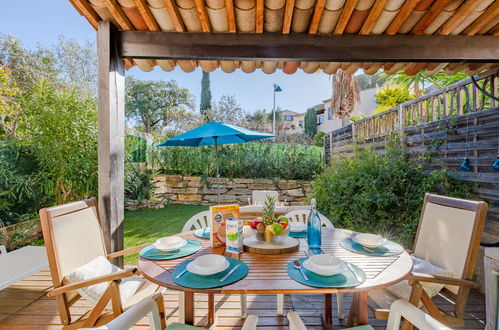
column 147, row 225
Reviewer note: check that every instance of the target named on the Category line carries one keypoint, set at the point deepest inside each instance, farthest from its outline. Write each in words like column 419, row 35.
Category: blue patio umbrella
column 215, row 133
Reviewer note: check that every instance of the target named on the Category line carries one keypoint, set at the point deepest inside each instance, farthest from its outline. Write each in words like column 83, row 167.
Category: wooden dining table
column 268, row 275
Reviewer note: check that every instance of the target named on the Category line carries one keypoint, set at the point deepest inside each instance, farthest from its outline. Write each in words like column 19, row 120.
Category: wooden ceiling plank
column 118, row 14
column 401, row 17
column 494, row 31
column 316, row 16
column 87, row 11
column 259, row 16
column 174, row 15
column 231, row 18
column 491, row 13
column 464, row 10
column 146, row 14
column 345, row 16
column 203, row 15
column 288, row 16
column 430, row 16
column 376, row 11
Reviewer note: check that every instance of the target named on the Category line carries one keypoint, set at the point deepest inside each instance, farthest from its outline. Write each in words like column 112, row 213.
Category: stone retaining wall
column 200, row 190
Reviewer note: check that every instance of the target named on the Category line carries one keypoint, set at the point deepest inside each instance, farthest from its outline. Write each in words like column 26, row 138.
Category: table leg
column 327, row 317
column 211, row 308
column 358, row 314
column 189, row 307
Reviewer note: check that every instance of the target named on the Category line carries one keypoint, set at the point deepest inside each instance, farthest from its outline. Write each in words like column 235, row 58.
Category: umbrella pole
column 218, row 173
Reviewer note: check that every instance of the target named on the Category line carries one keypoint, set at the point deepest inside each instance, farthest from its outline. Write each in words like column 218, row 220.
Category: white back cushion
column 98, row 267
column 444, row 238
column 77, row 239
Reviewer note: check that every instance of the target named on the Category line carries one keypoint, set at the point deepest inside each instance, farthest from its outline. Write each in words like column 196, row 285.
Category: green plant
column 18, row 239
column 380, row 193
column 391, row 96
column 319, row 139
column 138, row 183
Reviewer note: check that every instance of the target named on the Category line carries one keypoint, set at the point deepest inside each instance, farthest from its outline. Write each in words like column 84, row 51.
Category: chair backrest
column 258, row 196
column 198, row 221
column 449, row 234
column 302, row 216
column 73, row 236
column 3, row 250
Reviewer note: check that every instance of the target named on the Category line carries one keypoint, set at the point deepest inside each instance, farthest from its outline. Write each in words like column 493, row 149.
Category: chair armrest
column 295, row 322
column 440, row 279
column 133, row 315
column 95, row 280
column 126, row 251
column 402, row 308
column 250, row 323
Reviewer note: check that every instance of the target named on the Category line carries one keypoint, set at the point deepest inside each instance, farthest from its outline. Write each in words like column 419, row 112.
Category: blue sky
column 44, row 21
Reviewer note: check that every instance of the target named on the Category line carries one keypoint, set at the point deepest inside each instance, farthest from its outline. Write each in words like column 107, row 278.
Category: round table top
column 267, row 273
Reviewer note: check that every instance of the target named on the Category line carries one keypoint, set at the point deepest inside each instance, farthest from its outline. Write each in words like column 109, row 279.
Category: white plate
column 167, row 248
column 297, row 227
column 369, row 240
column 339, row 270
column 193, row 268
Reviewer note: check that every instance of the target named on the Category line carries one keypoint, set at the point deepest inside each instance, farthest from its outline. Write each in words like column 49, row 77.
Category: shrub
column 380, row 193
column 391, row 96
column 245, row 160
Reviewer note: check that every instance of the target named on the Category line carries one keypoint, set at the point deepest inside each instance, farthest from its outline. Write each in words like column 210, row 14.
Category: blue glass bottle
column 314, row 227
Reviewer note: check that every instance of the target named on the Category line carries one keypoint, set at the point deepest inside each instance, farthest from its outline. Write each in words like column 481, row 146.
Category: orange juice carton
column 234, row 230
column 219, row 216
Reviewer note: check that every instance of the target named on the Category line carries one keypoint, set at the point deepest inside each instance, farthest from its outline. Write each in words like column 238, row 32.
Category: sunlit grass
column 147, row 225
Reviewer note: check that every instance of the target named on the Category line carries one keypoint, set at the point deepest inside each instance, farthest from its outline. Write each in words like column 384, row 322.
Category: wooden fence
column 438, row 131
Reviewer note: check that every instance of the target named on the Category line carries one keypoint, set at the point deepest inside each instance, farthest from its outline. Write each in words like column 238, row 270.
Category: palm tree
column 346, row 92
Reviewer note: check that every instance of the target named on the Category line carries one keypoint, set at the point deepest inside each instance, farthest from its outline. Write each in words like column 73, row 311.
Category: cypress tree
column 311, row 122
column 205, row 103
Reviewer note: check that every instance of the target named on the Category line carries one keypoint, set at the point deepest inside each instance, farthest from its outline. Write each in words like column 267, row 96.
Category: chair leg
column 244, row 306
column 341, row 308
column 280, row 304
column 181, row 304
column 161, row 309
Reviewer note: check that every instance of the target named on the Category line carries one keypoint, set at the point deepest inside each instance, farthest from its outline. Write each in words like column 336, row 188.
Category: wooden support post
column 111, row 125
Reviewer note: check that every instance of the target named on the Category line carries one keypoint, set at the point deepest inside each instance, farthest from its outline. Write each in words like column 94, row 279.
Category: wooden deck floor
column 26, row 306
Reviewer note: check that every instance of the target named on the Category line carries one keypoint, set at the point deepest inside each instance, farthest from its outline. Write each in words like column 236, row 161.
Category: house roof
column 325, row 17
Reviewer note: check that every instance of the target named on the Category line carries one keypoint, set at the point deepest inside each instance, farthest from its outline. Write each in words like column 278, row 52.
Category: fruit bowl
column 268, row 228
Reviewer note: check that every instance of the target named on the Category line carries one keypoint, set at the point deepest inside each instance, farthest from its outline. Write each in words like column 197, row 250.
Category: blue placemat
column 344, row 280
column 149, row 252
column 203, row 233
column 388, row 249
column 194, row 281
column 299, row 234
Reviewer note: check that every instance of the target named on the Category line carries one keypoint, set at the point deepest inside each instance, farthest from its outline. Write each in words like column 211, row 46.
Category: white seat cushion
column 98, row 267
column 403, row 289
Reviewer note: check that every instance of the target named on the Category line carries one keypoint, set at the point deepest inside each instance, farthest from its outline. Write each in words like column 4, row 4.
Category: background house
column 326, row 122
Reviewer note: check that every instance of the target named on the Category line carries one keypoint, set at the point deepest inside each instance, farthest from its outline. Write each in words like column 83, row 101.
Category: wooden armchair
column 73, row 237
column 448, row 236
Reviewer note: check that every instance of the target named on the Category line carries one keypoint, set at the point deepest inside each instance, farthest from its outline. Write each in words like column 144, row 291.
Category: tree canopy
column 155, row 105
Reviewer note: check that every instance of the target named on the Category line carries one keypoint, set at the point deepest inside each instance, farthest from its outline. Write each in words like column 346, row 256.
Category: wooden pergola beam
column 111, row 135
column 308, row 48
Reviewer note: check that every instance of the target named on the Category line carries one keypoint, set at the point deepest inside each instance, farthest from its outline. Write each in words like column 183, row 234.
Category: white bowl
column 369, row 240
column 208, row 264
column 170, row 243
column 297, row 227
column 324, row 264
